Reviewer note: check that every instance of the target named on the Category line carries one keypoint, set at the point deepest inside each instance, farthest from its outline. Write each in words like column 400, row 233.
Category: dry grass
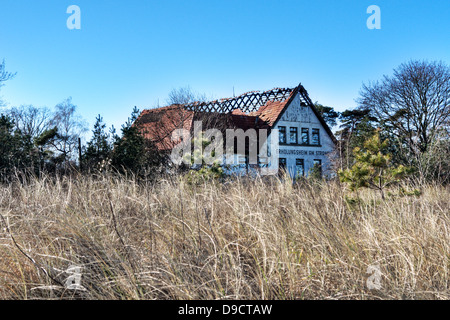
column 238, row 240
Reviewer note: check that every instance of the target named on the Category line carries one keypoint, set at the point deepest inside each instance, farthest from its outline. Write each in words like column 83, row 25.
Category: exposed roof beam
column 247, row 102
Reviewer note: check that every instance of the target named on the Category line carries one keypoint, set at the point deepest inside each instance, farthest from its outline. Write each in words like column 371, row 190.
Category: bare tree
column 159, row 124
column 413, row 104
column 70, row 127
column 4, row 76
column 185, row 96
column 31, row 120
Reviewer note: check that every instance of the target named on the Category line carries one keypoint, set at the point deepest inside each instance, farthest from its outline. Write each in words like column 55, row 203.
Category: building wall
column 297, row 116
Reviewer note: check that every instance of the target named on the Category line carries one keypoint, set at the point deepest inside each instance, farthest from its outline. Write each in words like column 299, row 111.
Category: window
column 318, row 164
column 315, row 137
column 305, row 136
column 293, row 138
column 282, row 163
column 299, row 168
column 282, row 134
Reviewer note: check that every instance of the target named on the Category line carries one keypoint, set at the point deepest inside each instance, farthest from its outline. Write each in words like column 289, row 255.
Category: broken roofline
column 250, row 101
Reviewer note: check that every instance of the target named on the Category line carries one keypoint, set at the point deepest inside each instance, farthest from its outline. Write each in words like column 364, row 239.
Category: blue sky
column 133, row 53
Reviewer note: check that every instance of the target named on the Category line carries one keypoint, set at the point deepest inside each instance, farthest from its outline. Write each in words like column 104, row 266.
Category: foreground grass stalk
column 241, row 239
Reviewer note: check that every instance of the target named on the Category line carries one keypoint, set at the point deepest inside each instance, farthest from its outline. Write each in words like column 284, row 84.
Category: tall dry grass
column 245, row 239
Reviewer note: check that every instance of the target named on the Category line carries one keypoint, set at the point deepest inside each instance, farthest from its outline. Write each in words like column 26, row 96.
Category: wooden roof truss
column 248, row 102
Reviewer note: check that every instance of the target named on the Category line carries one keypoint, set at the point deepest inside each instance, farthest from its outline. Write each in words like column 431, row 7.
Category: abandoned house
column 304, row 138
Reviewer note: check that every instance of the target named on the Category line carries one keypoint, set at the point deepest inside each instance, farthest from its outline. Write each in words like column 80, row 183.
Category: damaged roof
column 257, row 110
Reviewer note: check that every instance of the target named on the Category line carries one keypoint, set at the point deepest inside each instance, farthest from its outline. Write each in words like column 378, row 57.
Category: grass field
column 241, row 239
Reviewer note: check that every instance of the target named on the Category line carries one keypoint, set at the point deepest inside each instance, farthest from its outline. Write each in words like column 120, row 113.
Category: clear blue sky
column 134, row 52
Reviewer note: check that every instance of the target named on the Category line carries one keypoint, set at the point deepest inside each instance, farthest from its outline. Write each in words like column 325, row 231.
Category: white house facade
column 304, row 138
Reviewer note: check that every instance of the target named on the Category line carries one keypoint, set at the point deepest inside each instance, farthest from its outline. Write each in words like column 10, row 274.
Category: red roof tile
column 158, row 124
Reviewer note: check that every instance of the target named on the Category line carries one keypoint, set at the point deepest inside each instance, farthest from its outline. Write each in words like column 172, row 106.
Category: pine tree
column 204, row 170
column 328, row 114
column 98, row 148
column 16, row 149
column 44, row 143
column 373, row 168
column 356, row 127
column 132, row 152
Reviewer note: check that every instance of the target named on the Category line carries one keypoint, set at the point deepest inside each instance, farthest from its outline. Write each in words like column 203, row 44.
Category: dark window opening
column 305, row 136
column 315, row 137
column 318, row 164
column 282, row 163
column 293, row 136
column 282, row 134
column 299, row 167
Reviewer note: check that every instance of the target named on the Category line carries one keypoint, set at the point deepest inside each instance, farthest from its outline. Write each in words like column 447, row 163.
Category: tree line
column 37, row 140
column 408, row 111
column 40, row 140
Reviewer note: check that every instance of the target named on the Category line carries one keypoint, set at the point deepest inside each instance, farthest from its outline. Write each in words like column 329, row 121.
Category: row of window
column 293, row 136
column 299, row 165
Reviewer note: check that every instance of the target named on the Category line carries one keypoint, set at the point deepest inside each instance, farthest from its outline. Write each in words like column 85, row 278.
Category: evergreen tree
column 7, row 144
column 98, row 148
column 357, row 126
column 16, row 150
column 203, row 170
column 373, row 168
column 44, row 143
column 132, row 152
column 328, row 114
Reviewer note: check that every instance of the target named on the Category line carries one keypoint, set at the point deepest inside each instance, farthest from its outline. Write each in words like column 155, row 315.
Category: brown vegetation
column 233, row 240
